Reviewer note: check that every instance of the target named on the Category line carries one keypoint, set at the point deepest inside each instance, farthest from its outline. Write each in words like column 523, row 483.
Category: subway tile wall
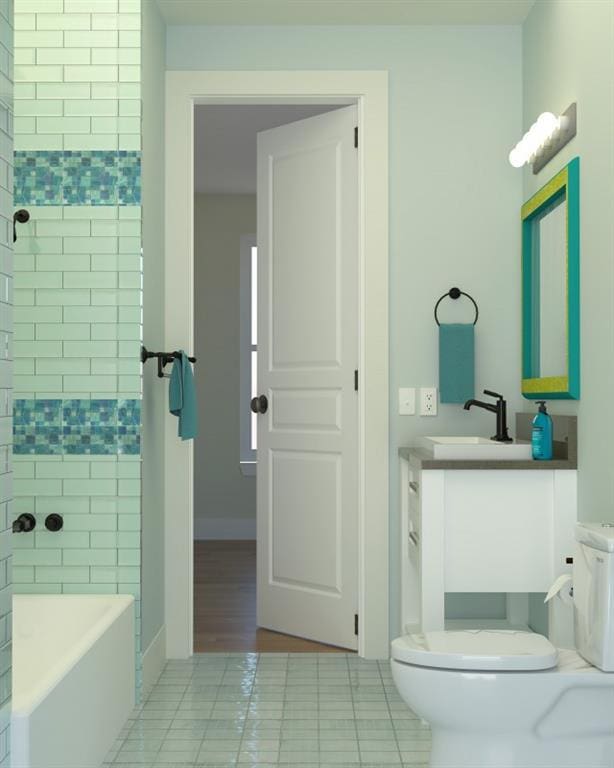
column 78, row 301
column 6, row 367
column 78, row 294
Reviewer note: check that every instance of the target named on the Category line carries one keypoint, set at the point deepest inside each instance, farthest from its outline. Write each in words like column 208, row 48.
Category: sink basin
column 475, row 448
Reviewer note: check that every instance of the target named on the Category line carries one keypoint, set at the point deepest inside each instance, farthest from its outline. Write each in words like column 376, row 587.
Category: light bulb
column 539, row 135
column 516, row 157
column 531, row 143
column 525, row 145
column 547, row 123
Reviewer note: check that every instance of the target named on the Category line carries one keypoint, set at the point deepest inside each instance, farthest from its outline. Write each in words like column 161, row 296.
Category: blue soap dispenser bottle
column 541, row 434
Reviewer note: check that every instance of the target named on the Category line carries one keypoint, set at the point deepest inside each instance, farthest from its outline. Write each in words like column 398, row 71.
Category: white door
column 308, row 353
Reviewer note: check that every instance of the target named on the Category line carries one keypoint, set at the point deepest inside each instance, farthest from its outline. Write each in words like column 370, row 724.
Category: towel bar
column 163, row 358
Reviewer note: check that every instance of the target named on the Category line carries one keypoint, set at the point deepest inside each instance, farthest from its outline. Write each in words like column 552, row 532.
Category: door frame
column 369, row 90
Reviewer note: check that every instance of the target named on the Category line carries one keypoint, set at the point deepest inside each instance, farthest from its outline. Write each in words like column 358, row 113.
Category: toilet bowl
column 510, row 699
column 511, row 713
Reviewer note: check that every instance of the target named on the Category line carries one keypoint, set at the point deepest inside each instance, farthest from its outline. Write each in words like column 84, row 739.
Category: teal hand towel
column 182, row 397
column 456, row 362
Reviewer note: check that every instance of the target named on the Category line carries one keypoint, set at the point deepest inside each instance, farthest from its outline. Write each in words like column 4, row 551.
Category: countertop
column 565, row 449
column 426, row 461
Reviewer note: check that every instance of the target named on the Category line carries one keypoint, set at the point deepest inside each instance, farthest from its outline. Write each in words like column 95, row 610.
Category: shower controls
column 54, row 522
column 24, row 523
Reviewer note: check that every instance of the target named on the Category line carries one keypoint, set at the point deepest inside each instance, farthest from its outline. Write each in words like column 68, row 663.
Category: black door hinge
column 356, row 624
column 356, row 136
column 356, row 380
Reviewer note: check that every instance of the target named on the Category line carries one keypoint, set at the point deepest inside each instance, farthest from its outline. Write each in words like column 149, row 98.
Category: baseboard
column 154, row 659
column 224, row 528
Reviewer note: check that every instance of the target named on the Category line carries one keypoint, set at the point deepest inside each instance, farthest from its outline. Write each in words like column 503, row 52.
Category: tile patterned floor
column 273, row 710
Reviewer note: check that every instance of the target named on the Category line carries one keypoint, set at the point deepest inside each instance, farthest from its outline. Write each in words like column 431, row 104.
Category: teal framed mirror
column 551, row 288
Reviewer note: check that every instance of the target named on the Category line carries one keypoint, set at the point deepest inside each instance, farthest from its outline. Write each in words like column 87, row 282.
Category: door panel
column 308, row 350
column 307, row 410
column 305, row 519
column 305, row 270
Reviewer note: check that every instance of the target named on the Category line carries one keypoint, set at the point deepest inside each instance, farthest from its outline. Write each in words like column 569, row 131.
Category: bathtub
column 73, row 678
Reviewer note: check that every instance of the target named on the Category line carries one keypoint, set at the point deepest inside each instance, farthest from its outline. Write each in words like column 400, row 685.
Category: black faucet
column 500, row 408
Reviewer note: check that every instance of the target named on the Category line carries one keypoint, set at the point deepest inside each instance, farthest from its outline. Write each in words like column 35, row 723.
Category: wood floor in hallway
column 225, row 603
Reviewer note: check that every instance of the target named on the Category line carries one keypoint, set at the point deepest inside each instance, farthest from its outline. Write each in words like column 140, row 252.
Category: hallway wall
column 224, row 499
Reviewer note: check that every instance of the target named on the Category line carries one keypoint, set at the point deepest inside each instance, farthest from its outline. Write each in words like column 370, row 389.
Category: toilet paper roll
column 558, row 588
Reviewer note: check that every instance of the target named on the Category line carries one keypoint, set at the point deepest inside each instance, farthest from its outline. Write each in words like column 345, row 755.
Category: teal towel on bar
column 456, row 362
column 182, row 397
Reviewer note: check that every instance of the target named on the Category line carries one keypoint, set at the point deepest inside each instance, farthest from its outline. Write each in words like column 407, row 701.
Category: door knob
column 259, row 404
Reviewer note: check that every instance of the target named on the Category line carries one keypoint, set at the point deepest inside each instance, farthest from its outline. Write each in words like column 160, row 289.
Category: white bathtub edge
column 154, row 659
column 23, row 706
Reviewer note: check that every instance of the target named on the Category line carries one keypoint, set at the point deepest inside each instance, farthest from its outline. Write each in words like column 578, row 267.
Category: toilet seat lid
column 476, row 649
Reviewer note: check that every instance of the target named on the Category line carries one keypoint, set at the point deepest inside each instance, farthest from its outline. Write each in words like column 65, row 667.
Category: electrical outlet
column 428, row 401
column 407, row 401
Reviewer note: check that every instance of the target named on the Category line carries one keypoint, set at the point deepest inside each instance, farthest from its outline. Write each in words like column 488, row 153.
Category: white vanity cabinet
column 480, row 530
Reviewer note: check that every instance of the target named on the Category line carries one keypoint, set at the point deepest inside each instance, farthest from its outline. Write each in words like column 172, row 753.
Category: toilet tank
column 593, row 584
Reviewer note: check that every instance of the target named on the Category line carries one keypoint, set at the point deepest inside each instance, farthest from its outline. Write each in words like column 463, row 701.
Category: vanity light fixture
column 544, row 139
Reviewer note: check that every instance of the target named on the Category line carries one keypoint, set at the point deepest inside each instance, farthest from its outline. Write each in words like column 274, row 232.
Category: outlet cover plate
column 428, row 401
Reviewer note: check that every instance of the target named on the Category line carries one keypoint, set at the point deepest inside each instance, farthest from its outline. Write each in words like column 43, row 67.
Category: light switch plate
column 407, row 401
column 428, row 401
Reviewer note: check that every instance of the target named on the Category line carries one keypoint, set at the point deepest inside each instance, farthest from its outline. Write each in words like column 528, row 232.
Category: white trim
column 246, row 454
column 248, row 468
column 179, row 334
column 154, row 659
column 369, row 90
column 225, row 529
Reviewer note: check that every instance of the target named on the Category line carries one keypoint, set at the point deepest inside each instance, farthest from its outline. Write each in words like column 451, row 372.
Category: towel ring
column 455, row 293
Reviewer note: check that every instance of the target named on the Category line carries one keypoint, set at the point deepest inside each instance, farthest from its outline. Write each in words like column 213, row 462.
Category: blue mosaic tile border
column 88, row 177
column 77, row 427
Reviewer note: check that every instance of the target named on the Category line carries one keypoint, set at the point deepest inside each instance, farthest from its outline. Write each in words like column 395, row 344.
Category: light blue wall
column 538, row 613
column 455, row 111
column 584, row 33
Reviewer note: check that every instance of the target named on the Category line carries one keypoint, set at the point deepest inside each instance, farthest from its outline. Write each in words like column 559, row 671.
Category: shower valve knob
column 24, row 523
column 54, row 522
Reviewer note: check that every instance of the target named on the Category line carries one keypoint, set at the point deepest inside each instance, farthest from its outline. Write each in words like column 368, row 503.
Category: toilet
column 510, row 699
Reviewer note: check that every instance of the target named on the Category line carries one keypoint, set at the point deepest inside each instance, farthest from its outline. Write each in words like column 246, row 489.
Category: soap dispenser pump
column 541, row 434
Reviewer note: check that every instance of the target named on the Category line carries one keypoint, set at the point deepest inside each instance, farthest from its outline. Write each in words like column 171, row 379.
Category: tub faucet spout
column 499, row 408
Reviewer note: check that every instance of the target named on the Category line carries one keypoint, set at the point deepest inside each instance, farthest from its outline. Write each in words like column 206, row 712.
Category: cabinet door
column 499, row 531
